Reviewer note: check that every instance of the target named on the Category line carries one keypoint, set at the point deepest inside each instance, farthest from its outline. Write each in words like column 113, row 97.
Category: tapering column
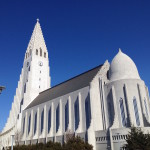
column 80, row 114
column 71, row 115
column 26, row 127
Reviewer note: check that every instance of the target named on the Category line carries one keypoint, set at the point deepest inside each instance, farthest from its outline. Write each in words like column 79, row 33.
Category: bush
column 136, row 139
column 74, row 143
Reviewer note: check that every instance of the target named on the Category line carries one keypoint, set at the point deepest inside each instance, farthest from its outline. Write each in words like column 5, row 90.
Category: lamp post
column 1, row 88
column 12, row 141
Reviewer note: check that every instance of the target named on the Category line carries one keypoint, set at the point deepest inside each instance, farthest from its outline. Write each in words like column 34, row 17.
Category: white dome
column 123, row 67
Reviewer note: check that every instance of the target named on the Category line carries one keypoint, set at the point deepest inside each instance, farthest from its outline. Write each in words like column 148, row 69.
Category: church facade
column 99, row 105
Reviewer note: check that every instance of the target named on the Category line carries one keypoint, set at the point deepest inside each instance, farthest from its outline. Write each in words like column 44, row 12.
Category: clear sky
column 79, row 34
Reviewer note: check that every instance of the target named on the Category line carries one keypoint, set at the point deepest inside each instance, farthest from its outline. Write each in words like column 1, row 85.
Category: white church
column 99, row 105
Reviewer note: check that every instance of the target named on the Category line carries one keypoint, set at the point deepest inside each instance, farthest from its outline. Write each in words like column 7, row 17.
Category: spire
column 120, row 50
column 37, row 39
column 37, row 19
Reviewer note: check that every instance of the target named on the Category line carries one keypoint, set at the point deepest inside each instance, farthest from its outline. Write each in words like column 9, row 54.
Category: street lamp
column 1, row 88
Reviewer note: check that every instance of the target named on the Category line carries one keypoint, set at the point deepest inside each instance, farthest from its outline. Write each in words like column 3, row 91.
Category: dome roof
column 123, row 67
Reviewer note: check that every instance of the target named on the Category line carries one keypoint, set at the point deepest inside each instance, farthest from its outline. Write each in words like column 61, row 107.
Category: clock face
column 40, row 63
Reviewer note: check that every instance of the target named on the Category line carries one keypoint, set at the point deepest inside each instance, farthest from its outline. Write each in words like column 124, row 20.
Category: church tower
column 34, row 78
column 36, row 66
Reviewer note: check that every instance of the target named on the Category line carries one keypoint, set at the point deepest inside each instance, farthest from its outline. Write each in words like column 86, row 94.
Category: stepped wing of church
column 99, row 105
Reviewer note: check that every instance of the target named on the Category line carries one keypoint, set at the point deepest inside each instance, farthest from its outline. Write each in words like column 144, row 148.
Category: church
column 99, row 105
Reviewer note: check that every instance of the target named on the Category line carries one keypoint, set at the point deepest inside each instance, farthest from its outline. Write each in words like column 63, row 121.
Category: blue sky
column 79, row 34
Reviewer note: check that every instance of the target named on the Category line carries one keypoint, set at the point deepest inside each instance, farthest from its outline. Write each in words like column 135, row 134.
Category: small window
column 39, row 79
column 44, row 54
column 26, row 55
column 30, row 51
column 39, row 86
column 25, row 88
column 18, row 116
column 40, row 52
column 36, row 51
column 40, row 71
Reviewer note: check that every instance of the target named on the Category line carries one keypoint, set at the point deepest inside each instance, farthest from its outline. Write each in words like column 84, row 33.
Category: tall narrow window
column 36, row 51
column 49, row 120
column 29, row 124
column 122, row 112
column 44, row 54
column 88, row 111
column 25, row 88
column 24, row 124
column 136, row 112
column 146, row 110
column 57, row 118
column 66, row 115
column 40, row 52
column 42, row 120
column 76, row 113
column 21, row 103
column 35, row 123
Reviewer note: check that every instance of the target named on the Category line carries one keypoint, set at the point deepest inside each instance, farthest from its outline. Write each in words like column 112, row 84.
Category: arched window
column 136, row 111
column 76, row 113
column 88, row 111
column 42, row 120
column 40, row 52
column 122, row 112
column 49, row 120
column 146, row 110
column 29, row 124
column 44, row 54
column 57, row 118
column 66, row 115
column 35, row 123
column 24, row 124
column 36, row 51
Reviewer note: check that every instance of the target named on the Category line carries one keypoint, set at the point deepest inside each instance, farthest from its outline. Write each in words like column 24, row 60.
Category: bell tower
column 34, row 78
column 36, row 66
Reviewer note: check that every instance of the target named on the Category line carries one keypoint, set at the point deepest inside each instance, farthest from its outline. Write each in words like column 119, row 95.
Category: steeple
column 36, row 57
column 36, row 40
